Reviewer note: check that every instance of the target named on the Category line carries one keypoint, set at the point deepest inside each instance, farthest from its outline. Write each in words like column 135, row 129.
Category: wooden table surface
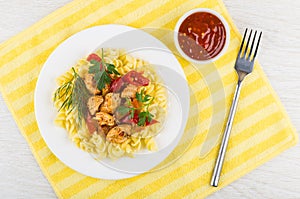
column 21, row 177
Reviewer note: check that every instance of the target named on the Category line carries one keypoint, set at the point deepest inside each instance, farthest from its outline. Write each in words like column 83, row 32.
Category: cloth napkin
column 261, row 128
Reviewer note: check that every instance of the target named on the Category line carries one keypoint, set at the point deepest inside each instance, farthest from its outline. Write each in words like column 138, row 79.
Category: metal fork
column 243, row 66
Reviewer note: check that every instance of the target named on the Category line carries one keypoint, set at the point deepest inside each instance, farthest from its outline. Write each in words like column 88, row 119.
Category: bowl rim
column 187, row 14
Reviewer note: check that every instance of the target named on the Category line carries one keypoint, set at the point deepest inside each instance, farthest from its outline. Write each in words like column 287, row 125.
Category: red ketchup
column 202, row 36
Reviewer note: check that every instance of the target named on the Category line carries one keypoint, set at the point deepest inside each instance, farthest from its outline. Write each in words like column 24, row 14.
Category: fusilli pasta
column 96, row 143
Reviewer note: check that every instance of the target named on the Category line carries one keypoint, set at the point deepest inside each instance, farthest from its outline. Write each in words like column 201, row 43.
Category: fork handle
column 225, row 139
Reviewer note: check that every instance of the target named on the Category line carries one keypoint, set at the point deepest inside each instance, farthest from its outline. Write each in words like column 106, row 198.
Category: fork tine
column 257, row 46
column 243, row 42
column 251, row 48
column 245, row 51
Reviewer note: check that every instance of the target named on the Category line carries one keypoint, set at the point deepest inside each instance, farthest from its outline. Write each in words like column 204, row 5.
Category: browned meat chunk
column 105, row 119
column 118, row 134
column 93, row 103
column 91, row 84
column 111, row 102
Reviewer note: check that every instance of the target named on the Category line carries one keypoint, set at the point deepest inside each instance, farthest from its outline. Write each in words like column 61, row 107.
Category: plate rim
column 38, row 83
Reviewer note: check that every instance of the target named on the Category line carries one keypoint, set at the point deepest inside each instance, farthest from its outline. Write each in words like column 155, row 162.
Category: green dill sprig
column 65, row 91
column 80, row 96
column 75, row 95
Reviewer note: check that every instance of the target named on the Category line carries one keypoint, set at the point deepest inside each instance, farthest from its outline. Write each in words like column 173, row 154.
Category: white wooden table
column 20, row 176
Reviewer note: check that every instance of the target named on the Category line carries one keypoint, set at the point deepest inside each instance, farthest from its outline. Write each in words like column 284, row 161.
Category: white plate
column 80, row 45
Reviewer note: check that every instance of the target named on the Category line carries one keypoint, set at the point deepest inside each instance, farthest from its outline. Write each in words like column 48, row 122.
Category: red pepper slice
column 135, row 78
column 116, row 85
column 129, row 120
column 91, row 124
column 94, row 56
column 153, row 121
column 135, row 118
column 126, row 119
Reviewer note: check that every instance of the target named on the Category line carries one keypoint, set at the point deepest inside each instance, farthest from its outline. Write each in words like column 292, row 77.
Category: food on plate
column 111, row 104
column 202, row 36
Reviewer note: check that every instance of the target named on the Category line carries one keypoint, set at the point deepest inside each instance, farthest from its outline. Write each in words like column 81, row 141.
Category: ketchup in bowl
column 202, row 35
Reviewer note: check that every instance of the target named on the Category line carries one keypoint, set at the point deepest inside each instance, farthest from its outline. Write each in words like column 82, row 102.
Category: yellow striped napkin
column 261, row 130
